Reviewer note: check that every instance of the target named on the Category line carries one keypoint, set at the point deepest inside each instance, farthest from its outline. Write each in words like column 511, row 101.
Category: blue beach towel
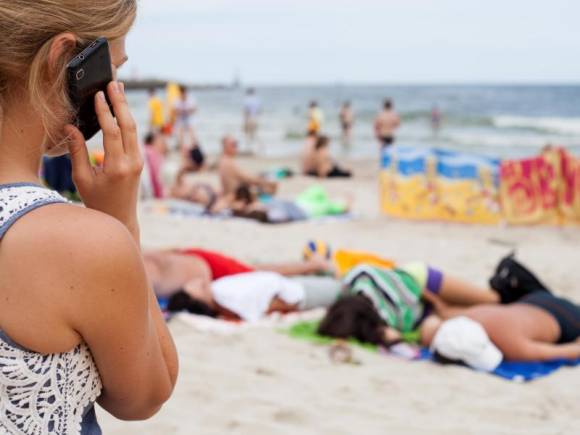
column 512, row 371
column 520, row 371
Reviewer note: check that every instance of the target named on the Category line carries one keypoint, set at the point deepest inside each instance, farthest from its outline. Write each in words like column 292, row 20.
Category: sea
column 494, row 120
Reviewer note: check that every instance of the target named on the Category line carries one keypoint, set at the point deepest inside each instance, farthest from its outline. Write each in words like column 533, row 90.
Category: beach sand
column 260, row 382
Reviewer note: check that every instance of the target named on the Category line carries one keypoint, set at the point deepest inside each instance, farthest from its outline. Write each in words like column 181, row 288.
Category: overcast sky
column 358, row 41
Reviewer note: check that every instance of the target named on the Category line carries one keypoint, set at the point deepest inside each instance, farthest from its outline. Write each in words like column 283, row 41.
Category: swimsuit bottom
column 566, row 313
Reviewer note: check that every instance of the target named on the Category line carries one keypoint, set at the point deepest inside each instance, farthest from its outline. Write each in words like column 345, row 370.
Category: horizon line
column 339, row 83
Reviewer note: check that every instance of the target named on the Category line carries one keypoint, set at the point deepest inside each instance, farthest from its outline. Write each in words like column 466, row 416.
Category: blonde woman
column 78, row 320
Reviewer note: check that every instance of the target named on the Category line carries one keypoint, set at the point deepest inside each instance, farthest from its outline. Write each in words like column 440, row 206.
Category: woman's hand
column 439, row 305
column 114, row 188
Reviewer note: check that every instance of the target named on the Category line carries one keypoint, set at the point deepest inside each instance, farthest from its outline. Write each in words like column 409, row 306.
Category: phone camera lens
column 80, row 74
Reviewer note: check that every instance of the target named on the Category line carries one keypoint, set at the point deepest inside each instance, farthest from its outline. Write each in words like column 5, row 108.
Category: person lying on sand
column 203, row 194
column 312, row 203
column 233, row 176
column 209, row 283
column 383, row 307
column 317, row 161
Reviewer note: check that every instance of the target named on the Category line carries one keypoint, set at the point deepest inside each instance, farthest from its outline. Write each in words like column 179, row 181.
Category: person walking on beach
column 156, row 117
column 315, row 119
column 436, row 118
column 78, row 320
column 387, row 123
column 252, row 109
column 185, row 109
column 346, row 119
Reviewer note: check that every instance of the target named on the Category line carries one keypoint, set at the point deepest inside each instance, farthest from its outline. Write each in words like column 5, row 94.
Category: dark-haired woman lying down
column 382, row 306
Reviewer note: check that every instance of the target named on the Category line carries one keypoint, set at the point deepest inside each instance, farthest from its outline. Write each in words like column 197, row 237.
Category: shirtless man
column 386, row 124
column 232, row 176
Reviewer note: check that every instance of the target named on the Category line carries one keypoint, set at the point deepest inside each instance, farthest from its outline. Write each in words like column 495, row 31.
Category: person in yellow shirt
column 315, row 118
column 156, row 117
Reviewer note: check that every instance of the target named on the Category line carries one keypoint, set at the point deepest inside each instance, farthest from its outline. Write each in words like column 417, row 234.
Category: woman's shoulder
column 64, row 239
column 65, row 227
column 63, row 263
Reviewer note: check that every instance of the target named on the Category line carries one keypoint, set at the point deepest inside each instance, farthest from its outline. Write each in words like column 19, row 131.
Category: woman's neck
column 21, row 137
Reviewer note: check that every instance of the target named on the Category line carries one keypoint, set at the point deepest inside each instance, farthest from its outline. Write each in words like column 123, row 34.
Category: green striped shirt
column 394, row 293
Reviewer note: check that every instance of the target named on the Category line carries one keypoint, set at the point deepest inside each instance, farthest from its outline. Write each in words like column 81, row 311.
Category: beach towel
column 188, row 210
column 346, row 260
column 226, row 327
column 316, row 202
column 509, row 370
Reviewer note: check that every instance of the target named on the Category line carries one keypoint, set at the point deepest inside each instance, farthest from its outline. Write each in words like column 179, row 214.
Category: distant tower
column 237, row 80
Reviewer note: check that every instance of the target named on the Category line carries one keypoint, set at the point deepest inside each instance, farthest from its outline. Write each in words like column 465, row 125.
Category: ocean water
column 502, row 121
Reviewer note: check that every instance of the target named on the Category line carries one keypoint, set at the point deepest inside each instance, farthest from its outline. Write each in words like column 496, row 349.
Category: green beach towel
column 316, row 202
column 307, row 331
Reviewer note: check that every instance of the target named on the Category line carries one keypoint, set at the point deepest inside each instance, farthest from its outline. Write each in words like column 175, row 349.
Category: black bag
column 513, row 281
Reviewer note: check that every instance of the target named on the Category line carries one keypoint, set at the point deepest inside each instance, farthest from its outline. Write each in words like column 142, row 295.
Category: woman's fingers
column 79, row 155
column 125, row 120
column 112, row 138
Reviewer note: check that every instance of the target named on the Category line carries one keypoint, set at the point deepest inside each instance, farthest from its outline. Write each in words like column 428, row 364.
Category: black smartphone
column 88, row 73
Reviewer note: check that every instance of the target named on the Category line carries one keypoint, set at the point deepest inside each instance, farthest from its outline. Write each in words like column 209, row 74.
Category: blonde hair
column 27, row 30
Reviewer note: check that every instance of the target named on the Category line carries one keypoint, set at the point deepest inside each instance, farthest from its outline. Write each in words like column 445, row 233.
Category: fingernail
column 101, row 95
column 122, row 85
column 116, row 88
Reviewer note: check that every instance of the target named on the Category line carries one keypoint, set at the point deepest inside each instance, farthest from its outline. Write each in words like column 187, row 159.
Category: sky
column 356, row 41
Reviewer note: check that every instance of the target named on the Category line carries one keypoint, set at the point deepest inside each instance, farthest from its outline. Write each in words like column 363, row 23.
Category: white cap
column 465, row 340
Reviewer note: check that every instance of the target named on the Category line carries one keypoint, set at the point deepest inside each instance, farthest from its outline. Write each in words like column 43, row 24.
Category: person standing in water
column 185, row 108
column 436, row 118
column 156, row 118
column 387, row 123
column 315, row 119
column 346, row 123
column 252, row 109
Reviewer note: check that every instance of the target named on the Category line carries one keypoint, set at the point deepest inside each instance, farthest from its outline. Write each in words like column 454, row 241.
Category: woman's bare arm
column 117, row 315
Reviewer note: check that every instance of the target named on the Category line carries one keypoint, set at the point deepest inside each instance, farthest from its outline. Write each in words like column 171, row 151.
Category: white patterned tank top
column 43, row 394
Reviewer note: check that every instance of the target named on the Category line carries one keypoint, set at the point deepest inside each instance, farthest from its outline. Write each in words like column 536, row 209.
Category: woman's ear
column 60, row 52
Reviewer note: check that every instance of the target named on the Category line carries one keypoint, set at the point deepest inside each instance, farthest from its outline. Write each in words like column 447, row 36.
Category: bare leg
column 311, row 267
column 528, row 350
column 457, row 292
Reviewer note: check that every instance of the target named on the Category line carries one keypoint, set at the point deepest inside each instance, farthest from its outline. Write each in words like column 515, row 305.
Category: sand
column 260, row 382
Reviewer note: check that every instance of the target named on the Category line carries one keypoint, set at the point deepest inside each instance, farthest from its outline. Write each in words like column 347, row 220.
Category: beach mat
column 186, row 210
column 509, row 370
column 276, row 321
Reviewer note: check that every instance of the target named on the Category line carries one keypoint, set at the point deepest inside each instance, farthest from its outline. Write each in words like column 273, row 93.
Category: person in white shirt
column 252, row 110
column 185, row 109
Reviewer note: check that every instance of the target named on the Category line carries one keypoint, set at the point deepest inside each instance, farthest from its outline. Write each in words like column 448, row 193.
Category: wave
column 449, row 119
column 542, row 125
column 565, row 126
